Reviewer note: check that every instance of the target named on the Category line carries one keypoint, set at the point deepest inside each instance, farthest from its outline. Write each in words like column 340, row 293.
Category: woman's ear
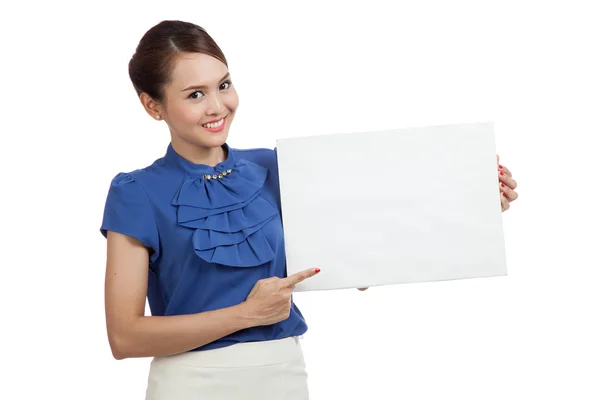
column 152, row 107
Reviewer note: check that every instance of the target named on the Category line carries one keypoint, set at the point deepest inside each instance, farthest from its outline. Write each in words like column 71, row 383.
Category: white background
column 71, row 121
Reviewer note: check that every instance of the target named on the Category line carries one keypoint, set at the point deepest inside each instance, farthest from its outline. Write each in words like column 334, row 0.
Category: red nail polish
column 501, row 173
column 502, row 184
column 503, row 194
column 317, row 270
column 500, row 166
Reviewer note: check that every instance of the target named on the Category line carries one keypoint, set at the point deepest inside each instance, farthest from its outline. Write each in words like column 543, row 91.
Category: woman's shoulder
column 141, row 174
column 139, row 187
column 263, row 156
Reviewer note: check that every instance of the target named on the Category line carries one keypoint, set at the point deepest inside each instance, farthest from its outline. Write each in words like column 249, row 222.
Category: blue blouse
column 212, row 232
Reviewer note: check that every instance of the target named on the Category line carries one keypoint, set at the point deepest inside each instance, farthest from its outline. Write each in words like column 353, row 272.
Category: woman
column 199, row 233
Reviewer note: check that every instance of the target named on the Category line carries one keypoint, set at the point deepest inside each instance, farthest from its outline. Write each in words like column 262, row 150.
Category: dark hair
column 151, row 66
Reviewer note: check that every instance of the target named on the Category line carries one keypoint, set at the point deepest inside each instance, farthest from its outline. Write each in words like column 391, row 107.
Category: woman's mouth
column 215, row 126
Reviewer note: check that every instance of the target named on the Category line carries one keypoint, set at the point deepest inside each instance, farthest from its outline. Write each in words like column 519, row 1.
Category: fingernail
column 502, row 184
column 503, row 194
column 317, row 270
column 501, row 173
column 500, row 166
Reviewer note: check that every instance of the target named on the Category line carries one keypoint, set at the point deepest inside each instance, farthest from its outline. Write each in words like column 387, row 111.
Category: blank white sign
column 394, row 206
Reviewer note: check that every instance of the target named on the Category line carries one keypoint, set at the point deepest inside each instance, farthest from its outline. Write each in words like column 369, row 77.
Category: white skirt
column 266, row 370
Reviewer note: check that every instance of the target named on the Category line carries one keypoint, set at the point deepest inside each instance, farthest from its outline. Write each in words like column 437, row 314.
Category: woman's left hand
column 507, row 186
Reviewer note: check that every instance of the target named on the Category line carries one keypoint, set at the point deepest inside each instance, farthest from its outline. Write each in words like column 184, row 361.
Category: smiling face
column 199, row 102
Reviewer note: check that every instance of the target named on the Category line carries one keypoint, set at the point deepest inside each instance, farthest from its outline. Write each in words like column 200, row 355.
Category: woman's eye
column 192, row 96
column 223, row 86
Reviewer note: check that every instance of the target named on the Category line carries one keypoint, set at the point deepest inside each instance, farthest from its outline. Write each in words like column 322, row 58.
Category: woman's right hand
column 270, row 300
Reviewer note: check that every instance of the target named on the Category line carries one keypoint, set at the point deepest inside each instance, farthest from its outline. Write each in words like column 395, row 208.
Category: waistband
column 247, row 354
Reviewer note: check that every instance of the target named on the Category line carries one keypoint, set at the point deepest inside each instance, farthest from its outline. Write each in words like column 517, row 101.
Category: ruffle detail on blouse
column 228, row 215
column 246, row 180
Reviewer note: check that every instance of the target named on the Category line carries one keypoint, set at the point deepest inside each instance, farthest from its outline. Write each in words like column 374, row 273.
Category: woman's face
column 200, row 92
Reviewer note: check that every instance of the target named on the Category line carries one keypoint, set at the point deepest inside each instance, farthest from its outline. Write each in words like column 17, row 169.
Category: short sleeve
column 128, row 211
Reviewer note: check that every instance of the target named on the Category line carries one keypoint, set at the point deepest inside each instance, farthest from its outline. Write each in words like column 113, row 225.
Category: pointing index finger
column 298, row 277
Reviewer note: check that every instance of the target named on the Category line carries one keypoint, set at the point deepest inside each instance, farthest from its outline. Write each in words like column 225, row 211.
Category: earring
column 158, row 117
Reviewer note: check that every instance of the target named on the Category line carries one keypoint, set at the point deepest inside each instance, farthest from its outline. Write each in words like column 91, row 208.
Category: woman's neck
column 195, row 154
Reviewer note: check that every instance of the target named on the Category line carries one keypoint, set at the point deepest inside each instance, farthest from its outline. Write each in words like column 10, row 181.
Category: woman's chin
column 214, row 140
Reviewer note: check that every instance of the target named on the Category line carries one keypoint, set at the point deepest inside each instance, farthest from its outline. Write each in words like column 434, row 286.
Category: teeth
column 215, row 124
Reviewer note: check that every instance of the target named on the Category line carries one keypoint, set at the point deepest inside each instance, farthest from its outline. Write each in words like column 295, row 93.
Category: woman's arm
column 130, row 333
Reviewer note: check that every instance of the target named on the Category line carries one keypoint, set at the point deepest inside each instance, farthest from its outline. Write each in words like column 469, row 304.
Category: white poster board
column 394, row 206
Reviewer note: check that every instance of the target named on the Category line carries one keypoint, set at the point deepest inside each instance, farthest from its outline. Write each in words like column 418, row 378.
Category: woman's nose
column 215, row 105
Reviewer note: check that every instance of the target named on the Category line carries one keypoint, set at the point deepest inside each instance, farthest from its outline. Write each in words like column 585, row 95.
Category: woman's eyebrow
column 204, row 86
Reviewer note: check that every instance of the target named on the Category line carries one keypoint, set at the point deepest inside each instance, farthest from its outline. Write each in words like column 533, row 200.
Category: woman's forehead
column 197, row 69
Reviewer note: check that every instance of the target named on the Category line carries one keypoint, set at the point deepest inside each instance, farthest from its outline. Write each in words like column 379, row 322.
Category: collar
column 200, row 169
